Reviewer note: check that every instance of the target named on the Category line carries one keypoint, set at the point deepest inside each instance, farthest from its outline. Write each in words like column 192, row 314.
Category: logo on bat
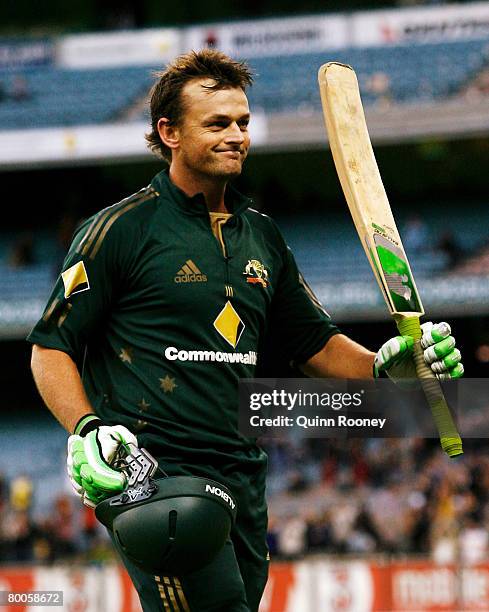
column 397, row 283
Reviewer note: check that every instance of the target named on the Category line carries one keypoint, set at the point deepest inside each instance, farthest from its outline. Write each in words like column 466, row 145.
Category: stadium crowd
column 378, row 496
column 350, row 497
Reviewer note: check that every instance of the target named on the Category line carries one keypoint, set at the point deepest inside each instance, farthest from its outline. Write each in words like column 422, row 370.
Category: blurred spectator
column 364, row 537
column 63, row 526
column 379, row 496
column 329, row 470
column 443, row 534
column 318, row 535
column 42, row 550
column 477, row 264
column 342, row 520
column 22, row 253
column 272, row 536
column 101, row 550
column 379, row 85
column 415, row 235
column 388, row 511
column 19, row 91
column 21, row 493
column 473, row 542
column 211, row 40
column 297, row 483
column 449, row 245
column 18, row 533
column 479, row 484
column 360, row 467
column 279, row 451
column 418, row 517
column 479, row 87
column 292, row 537
column 90, row 528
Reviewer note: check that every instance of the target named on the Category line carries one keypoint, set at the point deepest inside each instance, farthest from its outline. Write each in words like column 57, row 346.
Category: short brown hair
column 166, row 94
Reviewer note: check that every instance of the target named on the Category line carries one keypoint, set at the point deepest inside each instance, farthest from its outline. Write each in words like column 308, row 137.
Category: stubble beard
column 216, row 169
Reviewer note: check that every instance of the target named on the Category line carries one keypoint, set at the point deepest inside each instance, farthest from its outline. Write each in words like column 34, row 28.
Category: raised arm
column 340, row 358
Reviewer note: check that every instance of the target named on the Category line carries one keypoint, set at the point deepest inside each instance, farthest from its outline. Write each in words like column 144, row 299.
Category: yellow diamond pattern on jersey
column 75, row 279
column 229, row 324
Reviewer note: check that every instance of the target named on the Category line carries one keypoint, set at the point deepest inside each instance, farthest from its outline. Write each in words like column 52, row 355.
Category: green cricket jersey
column 163, row 318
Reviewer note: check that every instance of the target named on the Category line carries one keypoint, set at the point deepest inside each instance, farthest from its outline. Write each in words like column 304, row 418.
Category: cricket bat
column 367, row 200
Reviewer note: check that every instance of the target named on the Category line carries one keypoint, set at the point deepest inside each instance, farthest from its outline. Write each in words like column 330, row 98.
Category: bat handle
column 449, row 436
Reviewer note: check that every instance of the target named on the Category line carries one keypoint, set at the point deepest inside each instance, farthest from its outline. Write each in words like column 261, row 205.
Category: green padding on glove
column 90, row 458
column 439, row 353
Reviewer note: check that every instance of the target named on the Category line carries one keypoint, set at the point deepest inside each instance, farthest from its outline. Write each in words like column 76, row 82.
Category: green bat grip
column 449, row 436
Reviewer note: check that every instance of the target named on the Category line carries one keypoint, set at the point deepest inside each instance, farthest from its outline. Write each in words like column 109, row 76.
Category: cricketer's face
column 213, row 139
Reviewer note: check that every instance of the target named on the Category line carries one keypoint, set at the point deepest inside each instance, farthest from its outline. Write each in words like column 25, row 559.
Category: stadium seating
column 339, row 258
column 23, row 283
column 415, row 73
column 73, row 97
column 61, row 97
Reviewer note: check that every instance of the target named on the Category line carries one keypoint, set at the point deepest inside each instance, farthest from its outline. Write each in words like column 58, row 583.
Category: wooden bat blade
column 364, row 191
column 363, row 188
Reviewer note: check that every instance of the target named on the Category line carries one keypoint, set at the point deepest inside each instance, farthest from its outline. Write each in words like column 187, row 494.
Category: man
column 165, row 301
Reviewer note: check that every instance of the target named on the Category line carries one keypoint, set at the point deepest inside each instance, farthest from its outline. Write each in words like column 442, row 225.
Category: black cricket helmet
column 173, row 525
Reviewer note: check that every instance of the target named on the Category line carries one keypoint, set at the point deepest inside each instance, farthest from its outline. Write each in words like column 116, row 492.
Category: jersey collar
column 236, row 203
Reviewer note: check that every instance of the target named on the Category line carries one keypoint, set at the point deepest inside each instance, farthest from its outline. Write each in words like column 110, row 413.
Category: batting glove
column 395, row 356
column 92, row 450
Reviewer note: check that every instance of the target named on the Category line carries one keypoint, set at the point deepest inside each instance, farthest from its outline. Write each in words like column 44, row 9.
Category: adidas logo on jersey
column 190, row 273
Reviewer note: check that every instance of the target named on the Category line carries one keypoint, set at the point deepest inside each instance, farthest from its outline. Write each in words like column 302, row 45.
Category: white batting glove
column 395, row 356
column 91, row 451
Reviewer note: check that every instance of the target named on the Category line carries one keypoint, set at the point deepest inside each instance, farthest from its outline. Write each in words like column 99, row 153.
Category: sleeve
column 82, row 296
column 298, row 318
